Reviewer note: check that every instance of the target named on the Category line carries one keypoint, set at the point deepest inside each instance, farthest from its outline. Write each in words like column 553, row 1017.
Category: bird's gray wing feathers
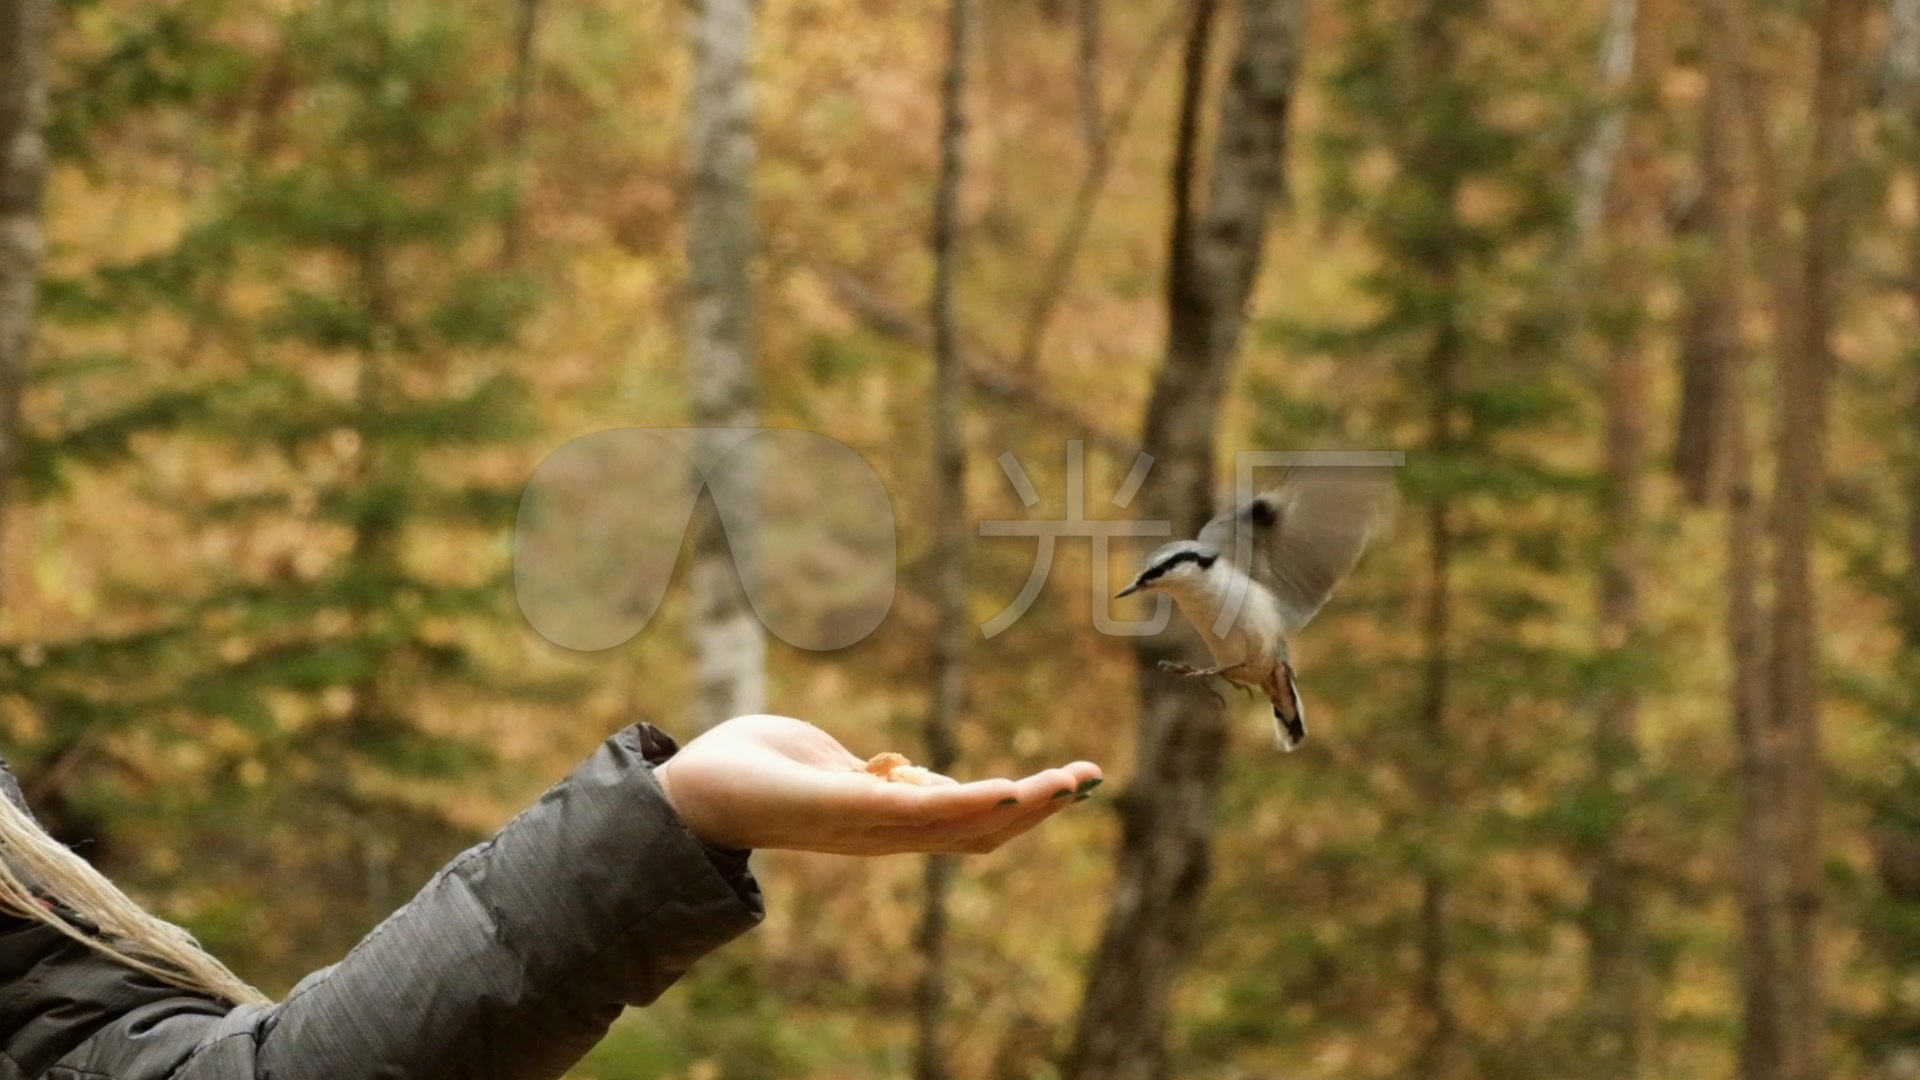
column 1305, row 534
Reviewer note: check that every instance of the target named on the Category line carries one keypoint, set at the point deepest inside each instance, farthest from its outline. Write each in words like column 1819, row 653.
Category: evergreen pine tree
column 343, row 414
column 1462, row 358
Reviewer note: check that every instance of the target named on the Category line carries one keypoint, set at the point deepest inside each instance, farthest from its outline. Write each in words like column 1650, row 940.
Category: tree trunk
column 1442, row 373
column 720, row 249
column 1214, row 256
column 1092, row 114
column 1709, row 346
column 1724, row 302
column 1700, row 441
column 1805, row 369
column 1900, row 74
column 513, row 230
column 1894, row 836
column 1763, row 1041
column 26, row 35
column 950, row 501
column 1595, row 168
column 1437, row 32
column 1617, row 977
column 1617, row 980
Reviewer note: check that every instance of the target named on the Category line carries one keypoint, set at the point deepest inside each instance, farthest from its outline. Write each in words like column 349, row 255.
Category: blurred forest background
column 1615, row 768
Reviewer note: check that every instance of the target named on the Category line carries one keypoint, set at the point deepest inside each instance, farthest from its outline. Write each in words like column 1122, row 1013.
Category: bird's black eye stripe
column 1155, row 573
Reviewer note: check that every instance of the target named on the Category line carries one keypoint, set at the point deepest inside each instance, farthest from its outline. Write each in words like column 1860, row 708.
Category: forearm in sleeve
column 509, row 965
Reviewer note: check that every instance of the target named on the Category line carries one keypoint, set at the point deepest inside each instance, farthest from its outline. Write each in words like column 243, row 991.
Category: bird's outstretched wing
column 1304, row 535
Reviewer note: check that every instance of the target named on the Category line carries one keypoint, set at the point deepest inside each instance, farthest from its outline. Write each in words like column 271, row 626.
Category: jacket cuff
column 730, row 865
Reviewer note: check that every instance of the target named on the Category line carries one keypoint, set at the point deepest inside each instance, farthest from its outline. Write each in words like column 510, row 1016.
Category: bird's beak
column 1128, row 591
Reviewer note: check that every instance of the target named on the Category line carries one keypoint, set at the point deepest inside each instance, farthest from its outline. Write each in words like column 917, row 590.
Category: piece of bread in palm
column 895, row 768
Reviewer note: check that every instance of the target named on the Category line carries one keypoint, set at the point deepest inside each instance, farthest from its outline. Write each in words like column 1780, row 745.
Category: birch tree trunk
column 1596, row 165
column 950, row 501
column 1214, row 257
column 720, row 249
column 26, row 35
column 1900, row 74
column 1805, row 370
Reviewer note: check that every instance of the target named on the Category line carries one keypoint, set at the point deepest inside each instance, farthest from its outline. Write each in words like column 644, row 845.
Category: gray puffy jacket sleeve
column 510, row 964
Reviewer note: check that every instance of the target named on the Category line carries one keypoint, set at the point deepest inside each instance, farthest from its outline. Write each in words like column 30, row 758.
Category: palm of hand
column 776, row 782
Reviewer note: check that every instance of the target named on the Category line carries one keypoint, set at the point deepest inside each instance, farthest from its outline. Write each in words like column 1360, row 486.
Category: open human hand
column 776, row 782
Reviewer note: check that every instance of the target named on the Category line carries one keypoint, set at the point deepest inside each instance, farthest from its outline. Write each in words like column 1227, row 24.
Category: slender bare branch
column 1093, row 181
column 525, row 58
column 986, row 373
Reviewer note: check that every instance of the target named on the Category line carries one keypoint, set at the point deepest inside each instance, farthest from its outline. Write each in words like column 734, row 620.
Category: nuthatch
column 1261, row 571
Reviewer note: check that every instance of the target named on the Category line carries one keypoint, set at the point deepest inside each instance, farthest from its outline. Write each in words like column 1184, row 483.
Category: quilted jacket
column 509, row 965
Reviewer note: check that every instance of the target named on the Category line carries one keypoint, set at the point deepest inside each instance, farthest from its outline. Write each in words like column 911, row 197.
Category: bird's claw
column 1177, row 668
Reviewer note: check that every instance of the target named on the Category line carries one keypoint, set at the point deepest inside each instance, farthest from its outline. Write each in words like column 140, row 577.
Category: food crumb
column 896, row 768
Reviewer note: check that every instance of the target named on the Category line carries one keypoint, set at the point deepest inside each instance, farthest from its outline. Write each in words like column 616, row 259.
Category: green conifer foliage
column 1417, row 863
column 339, row 428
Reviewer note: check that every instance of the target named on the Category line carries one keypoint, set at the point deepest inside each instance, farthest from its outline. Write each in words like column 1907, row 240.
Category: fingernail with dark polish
column 1009, row 802
column 1081, row 798
column 1089, row 785
column 1063, row 793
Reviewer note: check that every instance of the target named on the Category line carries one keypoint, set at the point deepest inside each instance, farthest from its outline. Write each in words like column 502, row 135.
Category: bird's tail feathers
column 1289, row 711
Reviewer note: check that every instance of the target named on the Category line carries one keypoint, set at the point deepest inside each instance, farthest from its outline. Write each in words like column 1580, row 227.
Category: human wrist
column 660, row 750
column 686, row 808
column 662, row 776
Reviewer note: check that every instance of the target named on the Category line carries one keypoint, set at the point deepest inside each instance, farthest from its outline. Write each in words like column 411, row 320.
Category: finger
column 1083, row 772
column 1027, row 793
column 1058, row 783
column 911, row 804
column 975, row 835
column 995, row 840
column 1033, row 798
column 908, row 804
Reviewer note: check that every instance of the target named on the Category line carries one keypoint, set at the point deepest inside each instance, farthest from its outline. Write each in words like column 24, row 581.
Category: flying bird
column 1261, row 571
